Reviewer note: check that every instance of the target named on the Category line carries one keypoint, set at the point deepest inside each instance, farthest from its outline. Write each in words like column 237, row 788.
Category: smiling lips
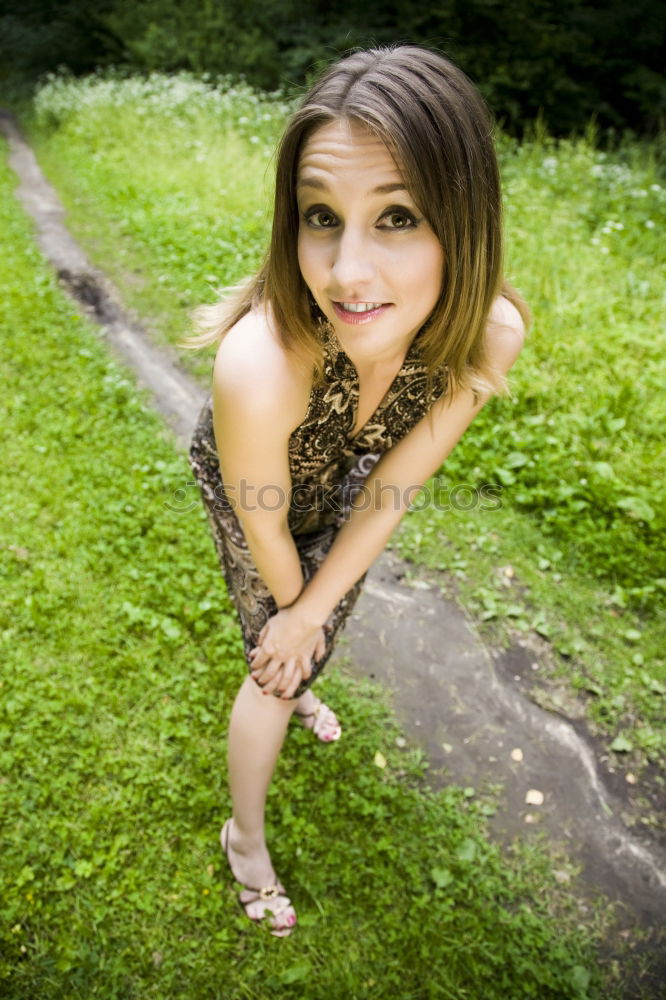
column 359, row 312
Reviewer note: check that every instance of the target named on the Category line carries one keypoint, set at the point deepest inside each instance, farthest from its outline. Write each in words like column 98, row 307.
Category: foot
column 253, row 869
column 318, row 717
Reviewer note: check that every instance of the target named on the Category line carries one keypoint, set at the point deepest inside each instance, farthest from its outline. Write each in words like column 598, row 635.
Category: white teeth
column 360, row 307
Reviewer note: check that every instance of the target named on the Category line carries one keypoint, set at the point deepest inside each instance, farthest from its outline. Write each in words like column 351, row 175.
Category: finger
column 266, row 673
column 300, row 676
column 275, row 682
column 289, row 679
column 263, row 657
column 259, row 658
column 254, row 652
column 320, row 648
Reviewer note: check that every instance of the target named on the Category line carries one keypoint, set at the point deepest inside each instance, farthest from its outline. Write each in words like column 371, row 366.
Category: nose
column 353, row 261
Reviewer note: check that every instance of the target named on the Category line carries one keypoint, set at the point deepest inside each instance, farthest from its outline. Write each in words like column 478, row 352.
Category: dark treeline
column 565, row 60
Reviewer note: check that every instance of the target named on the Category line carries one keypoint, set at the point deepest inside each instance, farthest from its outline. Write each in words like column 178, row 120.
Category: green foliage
column 40, row 35
column 120, row 659
column 581, row 446
column 564, row 61
column 174, row 178
column 575, row 457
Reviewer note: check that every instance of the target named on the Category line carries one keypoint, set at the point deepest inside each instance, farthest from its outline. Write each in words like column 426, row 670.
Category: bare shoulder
column 256, row 375
column 505, row 334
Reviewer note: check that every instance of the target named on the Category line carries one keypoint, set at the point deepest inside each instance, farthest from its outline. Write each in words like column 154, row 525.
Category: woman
column 347, row 370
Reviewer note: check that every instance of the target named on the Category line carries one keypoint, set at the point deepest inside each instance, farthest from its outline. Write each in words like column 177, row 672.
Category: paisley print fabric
column 329, row 465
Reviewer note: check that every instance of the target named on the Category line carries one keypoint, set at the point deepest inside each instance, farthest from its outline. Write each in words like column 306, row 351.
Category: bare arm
column 390, row 489
column 258, row 399
column 252, row 427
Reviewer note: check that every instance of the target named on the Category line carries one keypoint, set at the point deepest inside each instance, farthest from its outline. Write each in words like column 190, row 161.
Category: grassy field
column 167, row 183
column 120, row 659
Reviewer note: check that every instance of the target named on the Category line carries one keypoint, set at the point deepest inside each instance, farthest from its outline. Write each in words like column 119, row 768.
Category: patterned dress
column 328, row 464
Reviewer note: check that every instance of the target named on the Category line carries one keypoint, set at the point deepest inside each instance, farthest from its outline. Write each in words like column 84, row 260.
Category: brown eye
column 320, row 219
column 395, row 219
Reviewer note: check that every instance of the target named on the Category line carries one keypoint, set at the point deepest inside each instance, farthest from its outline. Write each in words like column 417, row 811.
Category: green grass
column 166, row 181
column 578, row 452
column 120, row 660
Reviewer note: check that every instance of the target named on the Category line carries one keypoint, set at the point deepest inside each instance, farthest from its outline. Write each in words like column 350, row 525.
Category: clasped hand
column 285, row 651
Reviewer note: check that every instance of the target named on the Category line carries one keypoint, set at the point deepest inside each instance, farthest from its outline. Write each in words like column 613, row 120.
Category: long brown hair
column 438, row 128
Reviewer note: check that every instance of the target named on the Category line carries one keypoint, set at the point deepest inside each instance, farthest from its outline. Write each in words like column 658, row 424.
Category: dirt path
column 460, row 701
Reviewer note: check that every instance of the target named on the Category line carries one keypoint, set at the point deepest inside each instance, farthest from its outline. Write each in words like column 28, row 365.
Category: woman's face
column 369, row 258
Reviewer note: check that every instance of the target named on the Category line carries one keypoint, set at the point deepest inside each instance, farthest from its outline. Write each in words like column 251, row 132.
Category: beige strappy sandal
column 318, row 724
column 249, row 895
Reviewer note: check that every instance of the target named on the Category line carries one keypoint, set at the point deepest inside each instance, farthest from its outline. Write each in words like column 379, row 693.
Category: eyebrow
column 313, row 182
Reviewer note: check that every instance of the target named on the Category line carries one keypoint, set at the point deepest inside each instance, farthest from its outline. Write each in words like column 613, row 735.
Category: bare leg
column 256, row 733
